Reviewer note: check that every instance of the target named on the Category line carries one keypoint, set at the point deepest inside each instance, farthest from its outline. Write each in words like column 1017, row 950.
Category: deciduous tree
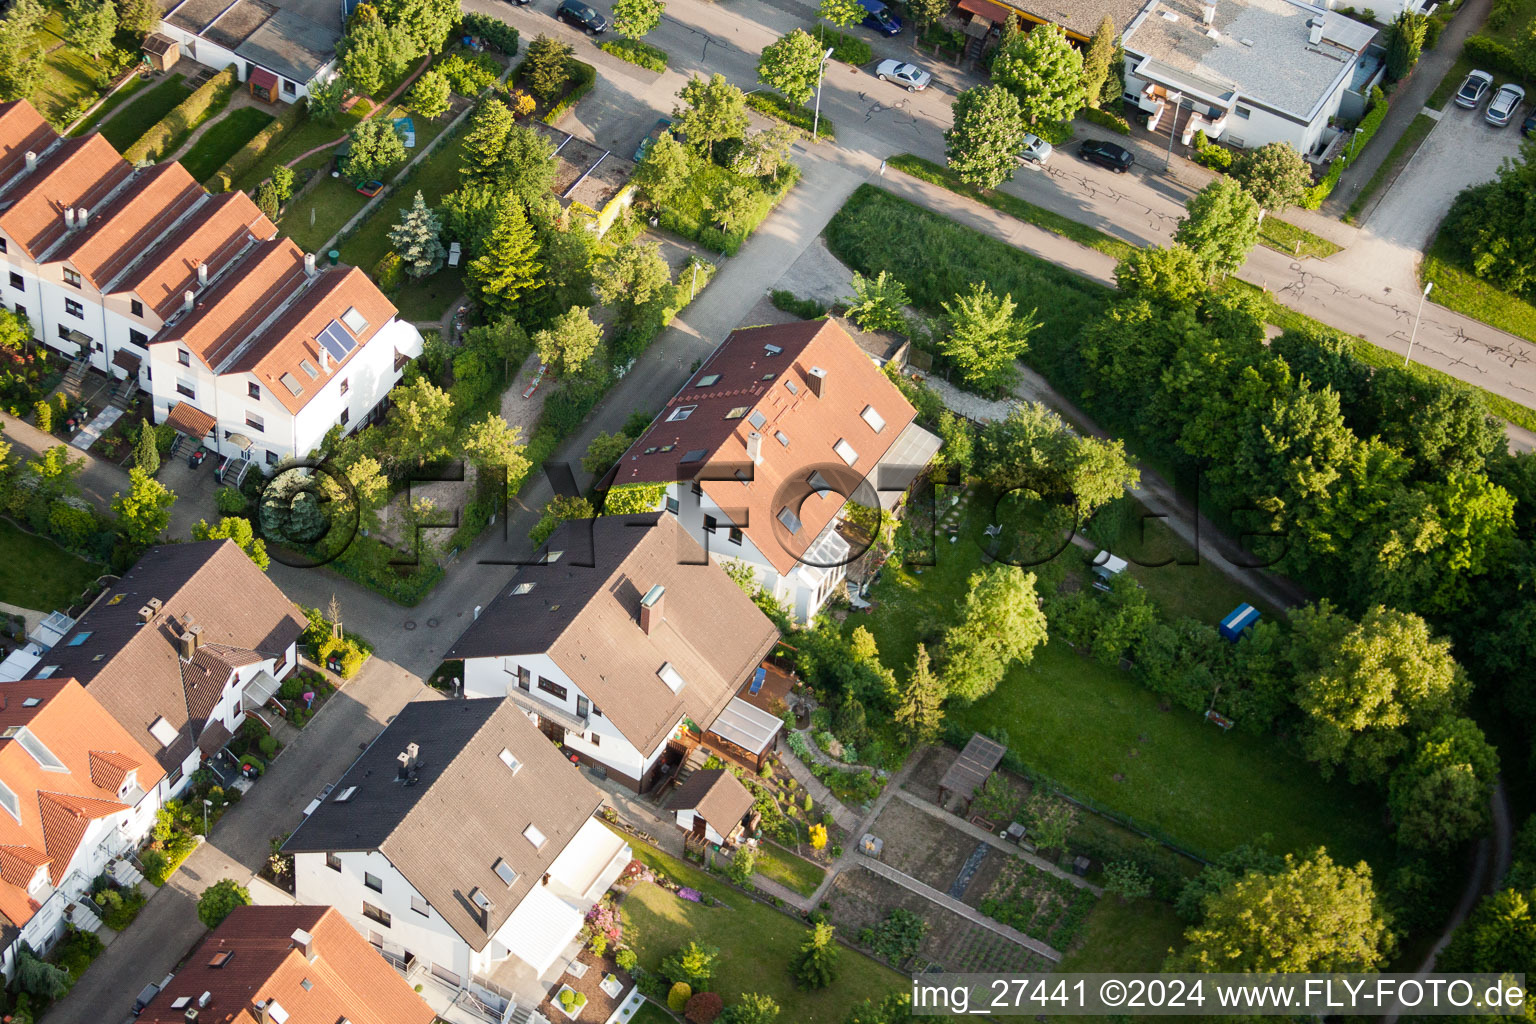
column 420, row 423
column 219, row 900
column 982, row 145
column 1045, row 71
column 664, row 172
column 635, row 18
column 1001, row 624
column 559, row 510
column 493, row 446
column 376, row 150
column 985, row 336
column 1274, row 174
column 570, row 340
column 90, row 24
column 842, row 13
column 713, row 111
column 790, row 65
column 879, row 303
column 145, row 511
column 632, row 278
column 325, row 98
column 1439, row 797
column 138, row 18
column 429, row 96
column 1172, row 275
column 426, row 23
column 239, row 530
column 1221, row 226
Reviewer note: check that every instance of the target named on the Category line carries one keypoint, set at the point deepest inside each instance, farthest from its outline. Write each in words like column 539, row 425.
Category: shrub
column 388, row 271
column 599, row 944
column 468, row 75
column 584, row 77
column 155, row 866
column 1105, row 119
column 1209, row 154
column 76, row 952
column 766, row 101
column 703, row 1008
column 693, row 963
column 496, row 33
column 627, row 960
column 1486, row 52
column 849, row 49
column 44, row 416
column 267, row 745
column 805, row 309
column 678, row 996
column 635, row 51
column 229, row 501
column 173, row 128
column 219, row 900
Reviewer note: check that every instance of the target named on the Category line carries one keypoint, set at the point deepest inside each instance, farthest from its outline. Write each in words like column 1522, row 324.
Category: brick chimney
column 652, row 608
column 189, row 642
column 304, row 943
column 816, row 378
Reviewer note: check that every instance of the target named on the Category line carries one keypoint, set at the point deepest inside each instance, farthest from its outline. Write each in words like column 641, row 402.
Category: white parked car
column 1036, row 149
column 902, row 73
column 1504, row 104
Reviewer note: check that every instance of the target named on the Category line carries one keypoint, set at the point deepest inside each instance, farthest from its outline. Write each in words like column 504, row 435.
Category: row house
column 621, row 635
column 767, row 442
column 462, row 845
column 143, row 274
column 181, row 649
column 77, row 792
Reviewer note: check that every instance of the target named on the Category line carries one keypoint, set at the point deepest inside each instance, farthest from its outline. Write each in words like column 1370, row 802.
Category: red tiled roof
column 65, row 819
column 119, row 233
column 109, row 768
column 78, row 173
column 22, row 131
column 186, row 418
column 799, row 430
column 232, row 307
column 346, row 978
column 221, row 229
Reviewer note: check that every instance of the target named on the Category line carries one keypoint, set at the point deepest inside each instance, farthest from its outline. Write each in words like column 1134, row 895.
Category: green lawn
column 223, row 140
column 129, row 90
column 1294, row 241
column 650, row 1013
column 792, row 870
column 1402, row 151
column 1458, row 289
column 1029, row 213
column 1122, row 938
column 302, row 138
column 37, row 573
column 755, row 942
column 143, row 113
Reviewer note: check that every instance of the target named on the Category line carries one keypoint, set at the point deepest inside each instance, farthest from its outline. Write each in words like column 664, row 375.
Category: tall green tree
column 982, row 145
column 879, row 303
column 920, row 708
column 238, row 530
column 1313, row 915
column 1172, row 276
column 1274, row 174
column 138, row 18
column 569, row 341
column 548, row 66
column 373, row 50
column 1045, row 71
column 664, row 172
column 1034, row 448
column 420, row 423
column 219, row 900
column 1222, row 225
column 814, row 965
column 1439, row 797
column 145, row 511
column 1098, row 60
column 508, row 268
column 712, row 111
column 986, row 334
column 790, row 65
column 146, row 452
column 635, row 18
column 430, row 95
column 1000, row 626
column 377, row 149
column 634, row 277
column 418, row 239
column 91, row 24
column 1497, row 937
column 841, row 13
column 325, row 98
column 21, row 57
column 753, row 1008
column 493, row 446
column 426, row 23
column 1405, row 40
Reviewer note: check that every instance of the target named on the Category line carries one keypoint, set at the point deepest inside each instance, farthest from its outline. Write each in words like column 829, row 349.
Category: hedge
column 1485, row 52
column 766, row 101
column 585, row 77
column 1368, row 127
column 247, row 156
column 172, row 129
column 650, row 57
column 849, row 49
column 1104, row 119
column 495, row 32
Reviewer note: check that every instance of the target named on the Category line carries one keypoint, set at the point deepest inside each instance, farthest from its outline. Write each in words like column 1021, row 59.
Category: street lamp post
column 1415, row 333
column 1173, row 127
column 816, row 120
column 206, row 804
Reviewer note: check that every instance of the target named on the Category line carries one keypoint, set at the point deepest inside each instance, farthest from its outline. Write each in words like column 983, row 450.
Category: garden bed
column 1037, row 903
column 923, row 846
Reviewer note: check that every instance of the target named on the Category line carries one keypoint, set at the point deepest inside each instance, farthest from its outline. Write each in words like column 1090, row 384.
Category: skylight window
column 708, row 379
column 818, row 482
column 682, row 412
column 736, row 413
column 694, row 455
column 292, row 384
column 769, row 376
column 505, row 873
column 874, row 419
column 79, row 638
column 523, row 588
column 31, row 702
column 346, row 794
column 789, row 519
column 757, row 420
column 277, row 1013
column 116, row 598
column 845, row 451
column 550, row 557
column 510, row 761
column 480, row 899
column 164, row 732
column 781, row 437
column 534, row 836
column 40, row 753
column 355, row 321
column 794, row 388
column 772, row 350
column 309, row 368
column 9, row 802
column 670, row 676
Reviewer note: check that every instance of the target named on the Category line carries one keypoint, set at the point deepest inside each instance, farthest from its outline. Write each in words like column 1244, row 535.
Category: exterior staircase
column 694, row 762
column 74, row 377
column 124, row 391
column 83, row 915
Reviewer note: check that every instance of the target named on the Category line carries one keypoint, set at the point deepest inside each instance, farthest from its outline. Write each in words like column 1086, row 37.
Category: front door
column 554, row 730
column 698, row 825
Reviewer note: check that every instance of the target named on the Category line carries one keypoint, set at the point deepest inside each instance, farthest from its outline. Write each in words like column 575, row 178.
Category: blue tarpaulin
column 1243, row 616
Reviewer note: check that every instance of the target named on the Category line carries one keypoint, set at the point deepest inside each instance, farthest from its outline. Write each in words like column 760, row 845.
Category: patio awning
column 76, row 337
column 239, row 441
column 258, row 691
column 997, row 14
column 750, row 728
column 127, row 360
column 540, row 929
column 263, row 78
column 186, row 418
column 902, row 463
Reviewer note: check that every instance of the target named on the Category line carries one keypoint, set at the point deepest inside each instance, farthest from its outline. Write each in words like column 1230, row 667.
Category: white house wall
column 370, row 375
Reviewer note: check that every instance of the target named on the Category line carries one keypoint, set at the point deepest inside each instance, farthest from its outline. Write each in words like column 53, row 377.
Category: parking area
column 1463, row 149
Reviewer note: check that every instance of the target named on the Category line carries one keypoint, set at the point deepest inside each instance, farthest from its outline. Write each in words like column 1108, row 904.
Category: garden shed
column 978, row 760
column 712, row 805
column 163, row 51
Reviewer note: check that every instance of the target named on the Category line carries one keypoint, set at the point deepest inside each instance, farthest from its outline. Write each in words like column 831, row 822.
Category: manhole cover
column 431, row 623
column 408, row 625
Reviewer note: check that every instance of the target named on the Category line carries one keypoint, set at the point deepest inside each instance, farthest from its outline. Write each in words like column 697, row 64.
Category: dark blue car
column 880, row 17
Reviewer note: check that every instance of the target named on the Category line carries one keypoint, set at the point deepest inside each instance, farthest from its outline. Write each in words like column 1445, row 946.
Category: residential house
column 243, row 341
column 619, row 637
column 1246, row 72
column 192, row 639
column 461, row 844
column 761, row 450
column 279, row 48
column 712, row 806
column 76, row 793
column 297, row 965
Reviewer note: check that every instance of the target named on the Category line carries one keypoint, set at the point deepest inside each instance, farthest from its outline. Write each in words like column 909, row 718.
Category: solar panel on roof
column 336, row 340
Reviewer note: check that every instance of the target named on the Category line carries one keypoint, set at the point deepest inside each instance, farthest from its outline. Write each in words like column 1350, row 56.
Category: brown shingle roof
column 466, row 810
column 769, row 392
column 587, row 618
column 139, row 676
column 716, row 795
column 119, row 233
column 346, row 979
column 218, row 231
column 22, row 131
column 76, row 173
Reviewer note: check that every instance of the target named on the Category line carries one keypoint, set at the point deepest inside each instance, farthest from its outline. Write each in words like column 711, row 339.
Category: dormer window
column 682, row 412
column 9, row 802
column 510, row 761
column 505, row 872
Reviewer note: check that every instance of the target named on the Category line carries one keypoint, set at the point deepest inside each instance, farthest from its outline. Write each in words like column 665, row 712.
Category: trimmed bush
column 678, row 996
column 495, row 32
column 1105, row 119
column 652, row 58
column 1369, row 124
column 583, row 78
column 1486, row 52
column 247, row 156
column 848, row 48
column 172, row 130
column 770, row 103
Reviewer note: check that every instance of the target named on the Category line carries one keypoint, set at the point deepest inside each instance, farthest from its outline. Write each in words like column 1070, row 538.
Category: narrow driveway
column 99, row 479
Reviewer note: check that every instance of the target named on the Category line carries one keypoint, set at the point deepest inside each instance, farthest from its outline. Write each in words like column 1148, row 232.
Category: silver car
column 1036, row 150
column 910, row 75
column 1504, row 104
column 1473, row 88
